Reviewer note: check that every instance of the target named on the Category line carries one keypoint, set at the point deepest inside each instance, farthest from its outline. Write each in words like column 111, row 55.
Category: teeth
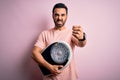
column 59, row 21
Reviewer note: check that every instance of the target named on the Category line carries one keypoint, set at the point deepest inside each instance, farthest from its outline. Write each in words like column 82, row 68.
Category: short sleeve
column 41, row 42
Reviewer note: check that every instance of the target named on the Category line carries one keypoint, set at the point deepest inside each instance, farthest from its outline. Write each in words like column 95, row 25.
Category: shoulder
column 46, row 31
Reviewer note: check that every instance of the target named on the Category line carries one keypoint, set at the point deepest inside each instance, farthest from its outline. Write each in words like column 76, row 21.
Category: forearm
column 39, row 59
column 82, row 43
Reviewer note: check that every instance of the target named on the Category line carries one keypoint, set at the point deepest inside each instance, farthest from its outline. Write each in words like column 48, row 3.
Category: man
column 73, row 37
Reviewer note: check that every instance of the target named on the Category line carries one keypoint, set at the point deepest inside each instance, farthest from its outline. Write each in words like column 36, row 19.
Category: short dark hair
column 60, row 5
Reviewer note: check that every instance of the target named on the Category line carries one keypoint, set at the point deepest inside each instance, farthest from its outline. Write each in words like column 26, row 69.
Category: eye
column 63, row 14
column 56, row 14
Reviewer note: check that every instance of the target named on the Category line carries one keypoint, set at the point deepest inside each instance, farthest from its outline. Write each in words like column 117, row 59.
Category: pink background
column 21, row 21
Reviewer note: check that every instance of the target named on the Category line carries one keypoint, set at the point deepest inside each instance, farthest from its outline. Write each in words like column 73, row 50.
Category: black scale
column 57, row 53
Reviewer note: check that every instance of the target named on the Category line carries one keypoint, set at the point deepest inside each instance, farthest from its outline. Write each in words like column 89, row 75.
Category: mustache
column 59, row 20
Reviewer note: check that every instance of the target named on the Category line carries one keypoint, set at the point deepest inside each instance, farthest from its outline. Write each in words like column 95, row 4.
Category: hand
column 77, row 32
column 54, row 69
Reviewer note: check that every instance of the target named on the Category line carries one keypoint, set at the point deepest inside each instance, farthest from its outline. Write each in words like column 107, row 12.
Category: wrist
column 84, row 37
column 50, row 67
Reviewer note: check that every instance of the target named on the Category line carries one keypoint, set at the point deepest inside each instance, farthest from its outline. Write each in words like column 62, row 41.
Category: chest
column 58, row 36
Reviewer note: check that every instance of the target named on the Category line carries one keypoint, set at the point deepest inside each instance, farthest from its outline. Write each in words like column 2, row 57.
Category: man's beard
column 59, row 23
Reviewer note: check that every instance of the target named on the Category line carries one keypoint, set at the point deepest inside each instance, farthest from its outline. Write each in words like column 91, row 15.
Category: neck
column 59, row 28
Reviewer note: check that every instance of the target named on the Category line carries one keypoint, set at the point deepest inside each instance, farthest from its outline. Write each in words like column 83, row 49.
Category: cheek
column 65, row 18
column 55, row 18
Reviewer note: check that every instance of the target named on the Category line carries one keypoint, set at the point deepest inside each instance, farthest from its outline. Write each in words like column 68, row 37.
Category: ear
column 67, row 15
column 52, row 15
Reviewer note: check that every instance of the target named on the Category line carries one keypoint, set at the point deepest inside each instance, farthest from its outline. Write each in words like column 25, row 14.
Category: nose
column 60, row 17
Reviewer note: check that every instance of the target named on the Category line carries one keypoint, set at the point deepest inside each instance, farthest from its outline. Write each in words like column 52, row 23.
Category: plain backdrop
column 21, row 21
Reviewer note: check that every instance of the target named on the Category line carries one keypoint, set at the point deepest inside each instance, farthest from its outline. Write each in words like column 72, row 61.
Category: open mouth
column 59, row 22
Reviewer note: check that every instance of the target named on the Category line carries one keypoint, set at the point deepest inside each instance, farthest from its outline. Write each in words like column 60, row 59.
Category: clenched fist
column 55, row 69
column 78, row 32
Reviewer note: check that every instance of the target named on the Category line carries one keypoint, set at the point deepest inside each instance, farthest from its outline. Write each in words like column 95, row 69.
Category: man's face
column 59, row 17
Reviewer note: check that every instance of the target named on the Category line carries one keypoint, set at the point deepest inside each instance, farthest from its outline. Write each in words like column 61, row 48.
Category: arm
column 79, row 37
column 82, row 43
column 36, row 55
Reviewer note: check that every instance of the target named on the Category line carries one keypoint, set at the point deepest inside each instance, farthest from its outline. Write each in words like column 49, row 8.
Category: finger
column 60, row 66
column 75, row 26
column 76, row 32
column 77, row 29
column 57, row 71
column 76, row 35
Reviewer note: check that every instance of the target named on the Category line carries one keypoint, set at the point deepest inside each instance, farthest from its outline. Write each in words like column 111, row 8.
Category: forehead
column 60, row 10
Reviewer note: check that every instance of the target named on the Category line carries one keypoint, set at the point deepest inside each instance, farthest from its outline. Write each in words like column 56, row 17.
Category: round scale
column 59, row 53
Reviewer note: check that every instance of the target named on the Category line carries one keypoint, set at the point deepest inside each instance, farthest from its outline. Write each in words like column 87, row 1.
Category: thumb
column 60, row 66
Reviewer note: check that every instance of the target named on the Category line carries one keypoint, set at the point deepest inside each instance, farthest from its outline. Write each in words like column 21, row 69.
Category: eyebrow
column 58, row 13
